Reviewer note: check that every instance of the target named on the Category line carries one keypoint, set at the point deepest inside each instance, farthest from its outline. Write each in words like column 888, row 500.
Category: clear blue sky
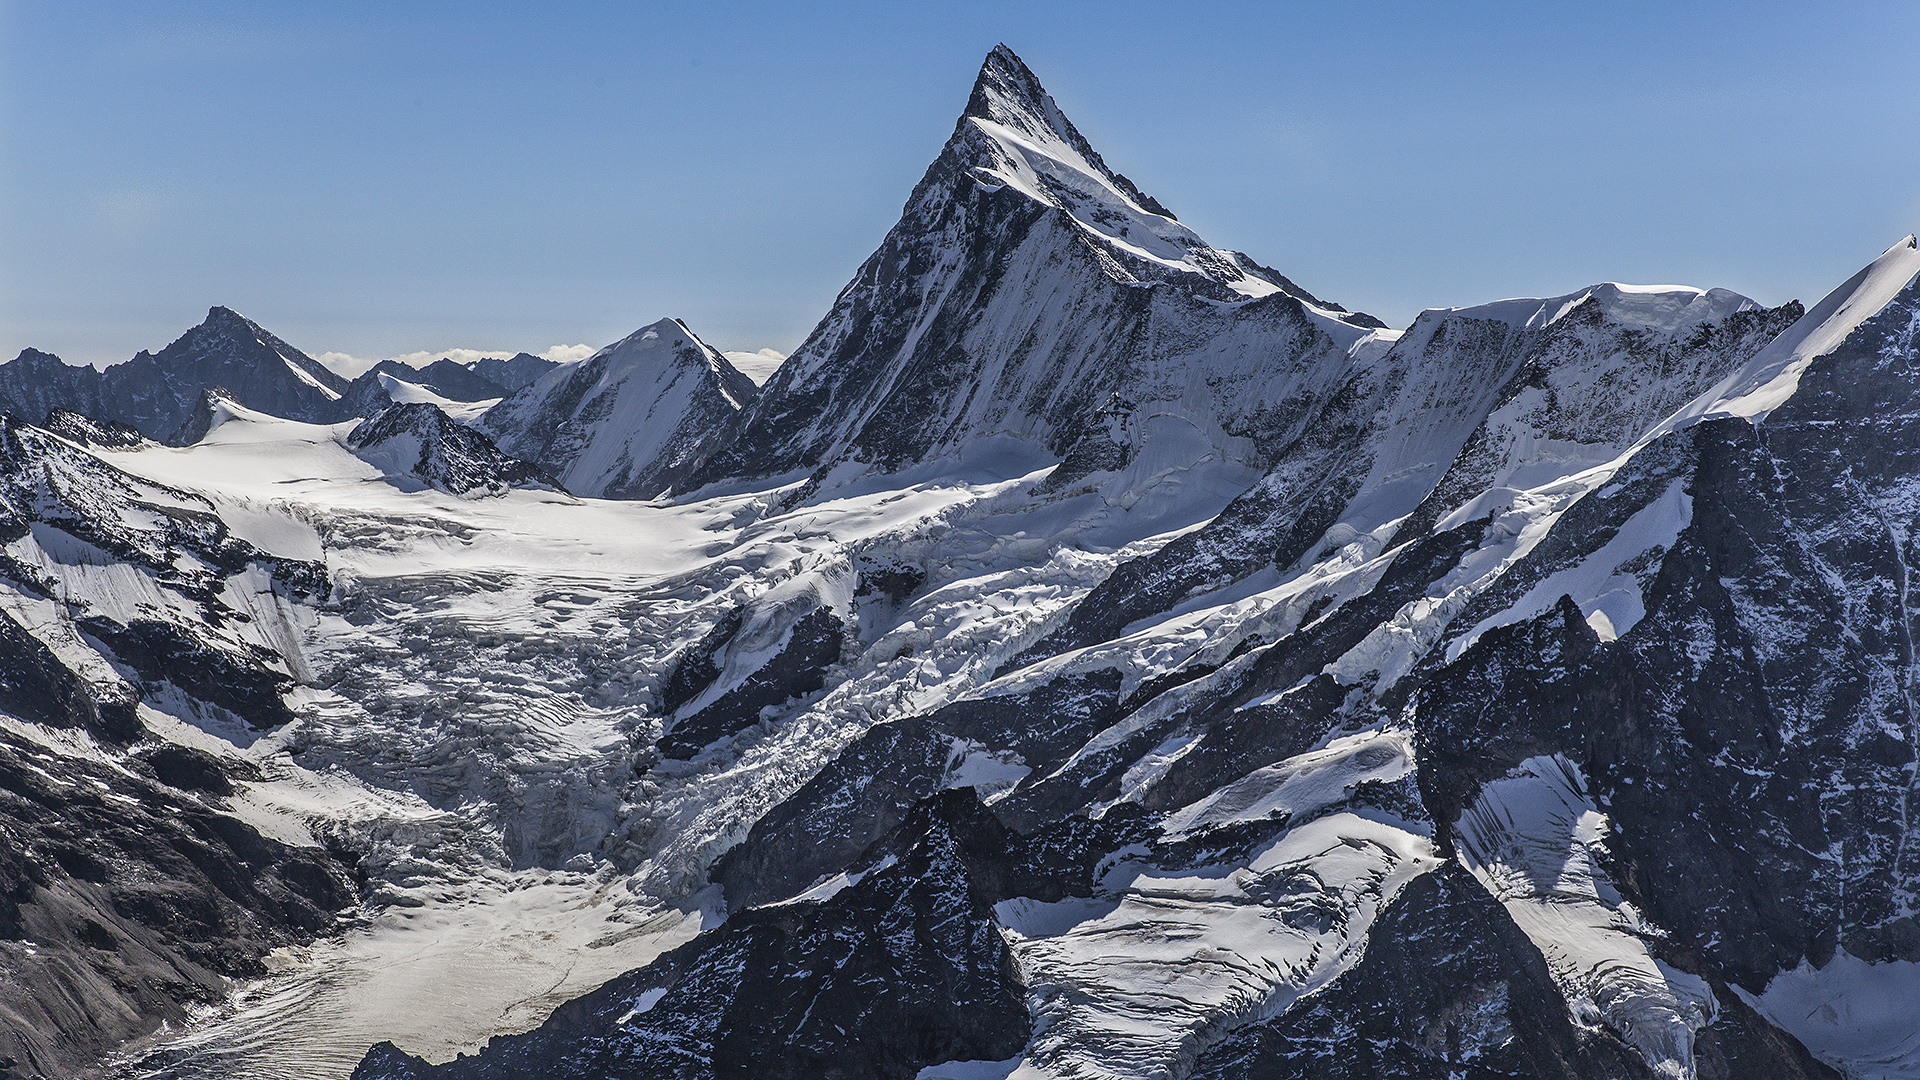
column 377, row 179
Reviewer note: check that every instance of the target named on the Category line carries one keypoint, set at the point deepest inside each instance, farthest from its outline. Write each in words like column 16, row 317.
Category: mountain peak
column 1007, row 87
column 225, row 318
column 1009, row 95
column 224, row 323
column 30, row 356
column 1013, row 135
column 628, row 422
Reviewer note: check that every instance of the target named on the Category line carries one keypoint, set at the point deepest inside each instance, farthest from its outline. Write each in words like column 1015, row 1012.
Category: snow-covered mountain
column 1031, row 296
column 160, row 394
column 628, row 422
column 1089, row 655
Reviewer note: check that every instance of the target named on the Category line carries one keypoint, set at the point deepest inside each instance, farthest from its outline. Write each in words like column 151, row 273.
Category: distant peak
column 226, row 321
column 661, row 330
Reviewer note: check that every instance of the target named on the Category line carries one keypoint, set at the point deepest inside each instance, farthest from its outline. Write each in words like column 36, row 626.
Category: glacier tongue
column 1160, row 964
column 1535, row 840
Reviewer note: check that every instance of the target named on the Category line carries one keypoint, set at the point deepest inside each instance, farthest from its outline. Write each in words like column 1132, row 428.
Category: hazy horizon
column 375, row 183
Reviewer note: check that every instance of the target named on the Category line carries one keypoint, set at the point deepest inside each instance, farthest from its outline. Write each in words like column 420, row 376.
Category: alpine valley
column 1090, row 655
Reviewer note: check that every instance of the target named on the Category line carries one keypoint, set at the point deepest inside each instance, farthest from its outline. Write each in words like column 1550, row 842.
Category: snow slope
column 629, row 421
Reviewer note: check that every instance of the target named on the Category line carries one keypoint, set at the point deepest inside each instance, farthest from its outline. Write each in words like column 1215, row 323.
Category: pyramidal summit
column 1090, row 654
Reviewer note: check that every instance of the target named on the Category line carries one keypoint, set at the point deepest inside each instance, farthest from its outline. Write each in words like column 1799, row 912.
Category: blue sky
column 380, row 179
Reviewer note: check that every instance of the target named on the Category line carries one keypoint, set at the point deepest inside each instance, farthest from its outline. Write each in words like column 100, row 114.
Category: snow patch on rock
column 1537, row 842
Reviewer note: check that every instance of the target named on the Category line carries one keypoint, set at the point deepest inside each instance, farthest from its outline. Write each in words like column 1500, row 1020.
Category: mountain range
column 1088, row 655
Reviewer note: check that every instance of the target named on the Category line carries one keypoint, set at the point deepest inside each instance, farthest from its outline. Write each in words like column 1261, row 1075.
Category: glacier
column 1089, row 654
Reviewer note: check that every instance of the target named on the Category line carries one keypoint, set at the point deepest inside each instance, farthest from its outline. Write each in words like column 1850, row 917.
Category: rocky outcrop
column 419, row 442
column 35, row 383
column 514, row 373
column 129, row 895
column 905, row 953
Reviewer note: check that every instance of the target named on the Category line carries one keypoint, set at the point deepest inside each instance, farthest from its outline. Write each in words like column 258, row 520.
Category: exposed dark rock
column 35, row 384
column 902, row 969
column 420, row 442
column 241, row 683
column 87, row 431
column 458, row 383
column 188, row 769
column 35, row 686
column 1514, row 373
column 513, row 373
column 367, row 396
column 868, row 788
column 124, row 902
column 812, row 645
column 158, row 394
column 1449, row 989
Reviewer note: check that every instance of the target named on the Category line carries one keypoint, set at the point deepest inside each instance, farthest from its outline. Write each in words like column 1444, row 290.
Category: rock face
column 723, row 681
column 420, row 442
column 461, row 383
column 628, row 422
column 129, row 895
column 918, row 920
column 35, row 383
column 513, row 373
column 128, row 891
column 157, row 394
column 1449, row 987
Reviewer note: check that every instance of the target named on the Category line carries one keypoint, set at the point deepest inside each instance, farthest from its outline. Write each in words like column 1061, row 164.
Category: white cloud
column 351, row 366
column 758, row 366
column 561, row 354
